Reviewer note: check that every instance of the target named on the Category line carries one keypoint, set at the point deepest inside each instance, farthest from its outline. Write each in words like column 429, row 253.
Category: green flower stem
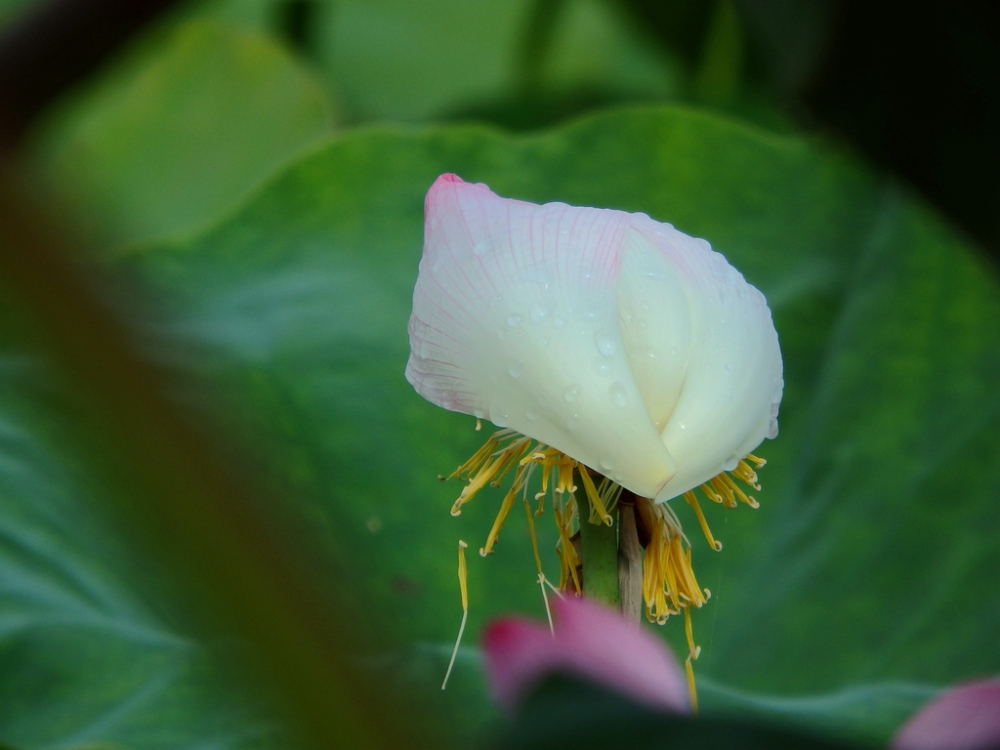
column 599, row 555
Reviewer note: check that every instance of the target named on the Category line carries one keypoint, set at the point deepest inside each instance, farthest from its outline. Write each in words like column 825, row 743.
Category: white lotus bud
column 623, row 343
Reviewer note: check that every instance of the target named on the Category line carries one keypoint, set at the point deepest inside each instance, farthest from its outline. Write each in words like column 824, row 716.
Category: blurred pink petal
column 966, row 717
column 591, row 642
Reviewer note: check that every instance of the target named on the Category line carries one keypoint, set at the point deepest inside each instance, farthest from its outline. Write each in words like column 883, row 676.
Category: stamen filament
column 463, row 575
column 711, row 494
column 727, row 494
column 538, row 564
column 693, row 502
column 738, row 492
column 505, row 506
column 693, row 653
column 669, row 585
column 595, row 499
column 567, row 553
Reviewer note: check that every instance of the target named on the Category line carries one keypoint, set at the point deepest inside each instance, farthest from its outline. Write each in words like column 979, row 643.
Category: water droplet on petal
column 572, row 423
column 515, row 368
column 731, row 463
column 605, row 344
column 481, row 248
column 558, row 323
column 538, row 313
column 602, row 366
column 498, row 416
column 543, row 342
column 617, row 393
column 772, row 429
column 572, row 393
column 606, row 463
column 531, row 414
column 513, row 320
column 495, row 300
column 729, row 368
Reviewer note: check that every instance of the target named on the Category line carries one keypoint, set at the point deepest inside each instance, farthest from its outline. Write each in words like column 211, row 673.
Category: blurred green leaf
column 866, row 713
column 399, row 61
column 180, row 129
column 88, row 654
column 872, row 558
column 11, row 9
column 569, row 714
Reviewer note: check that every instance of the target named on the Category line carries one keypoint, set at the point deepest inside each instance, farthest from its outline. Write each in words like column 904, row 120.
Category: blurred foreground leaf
column 180, row 129
column 569, row 714
column 87, row 652
column 873, row 557
column 399, row 61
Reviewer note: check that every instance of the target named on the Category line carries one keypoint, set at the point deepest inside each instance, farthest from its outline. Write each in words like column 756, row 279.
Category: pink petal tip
column 966, row 717
column 591, row 642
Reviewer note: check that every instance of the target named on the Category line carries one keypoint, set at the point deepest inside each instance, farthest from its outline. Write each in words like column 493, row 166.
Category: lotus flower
column 967, row 717
column 609, row 348
column 589, row 641
column 615, row 339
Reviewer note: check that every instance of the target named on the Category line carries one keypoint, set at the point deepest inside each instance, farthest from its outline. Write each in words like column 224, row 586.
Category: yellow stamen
column 693, row 653
column 744, row 473
column 565, row 479
column 538, row 564
column 540, row 495
column 596, row 505
column 534, row 537
column 566, row 551
column 693, row 502
column 728, row 498
column 738, row 492
column 505, row 506
column 711, row 494
column 463, row 575
column 669, row 585
column 484, row 471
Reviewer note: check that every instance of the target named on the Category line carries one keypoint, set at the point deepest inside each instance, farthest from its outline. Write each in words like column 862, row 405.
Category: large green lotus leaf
column 180, row 129
column 867, row 574
column 873, row 557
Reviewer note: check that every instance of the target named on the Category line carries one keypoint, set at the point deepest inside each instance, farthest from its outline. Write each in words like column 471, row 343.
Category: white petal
column 618, row 340
column 727, row 403
column 515, row 318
